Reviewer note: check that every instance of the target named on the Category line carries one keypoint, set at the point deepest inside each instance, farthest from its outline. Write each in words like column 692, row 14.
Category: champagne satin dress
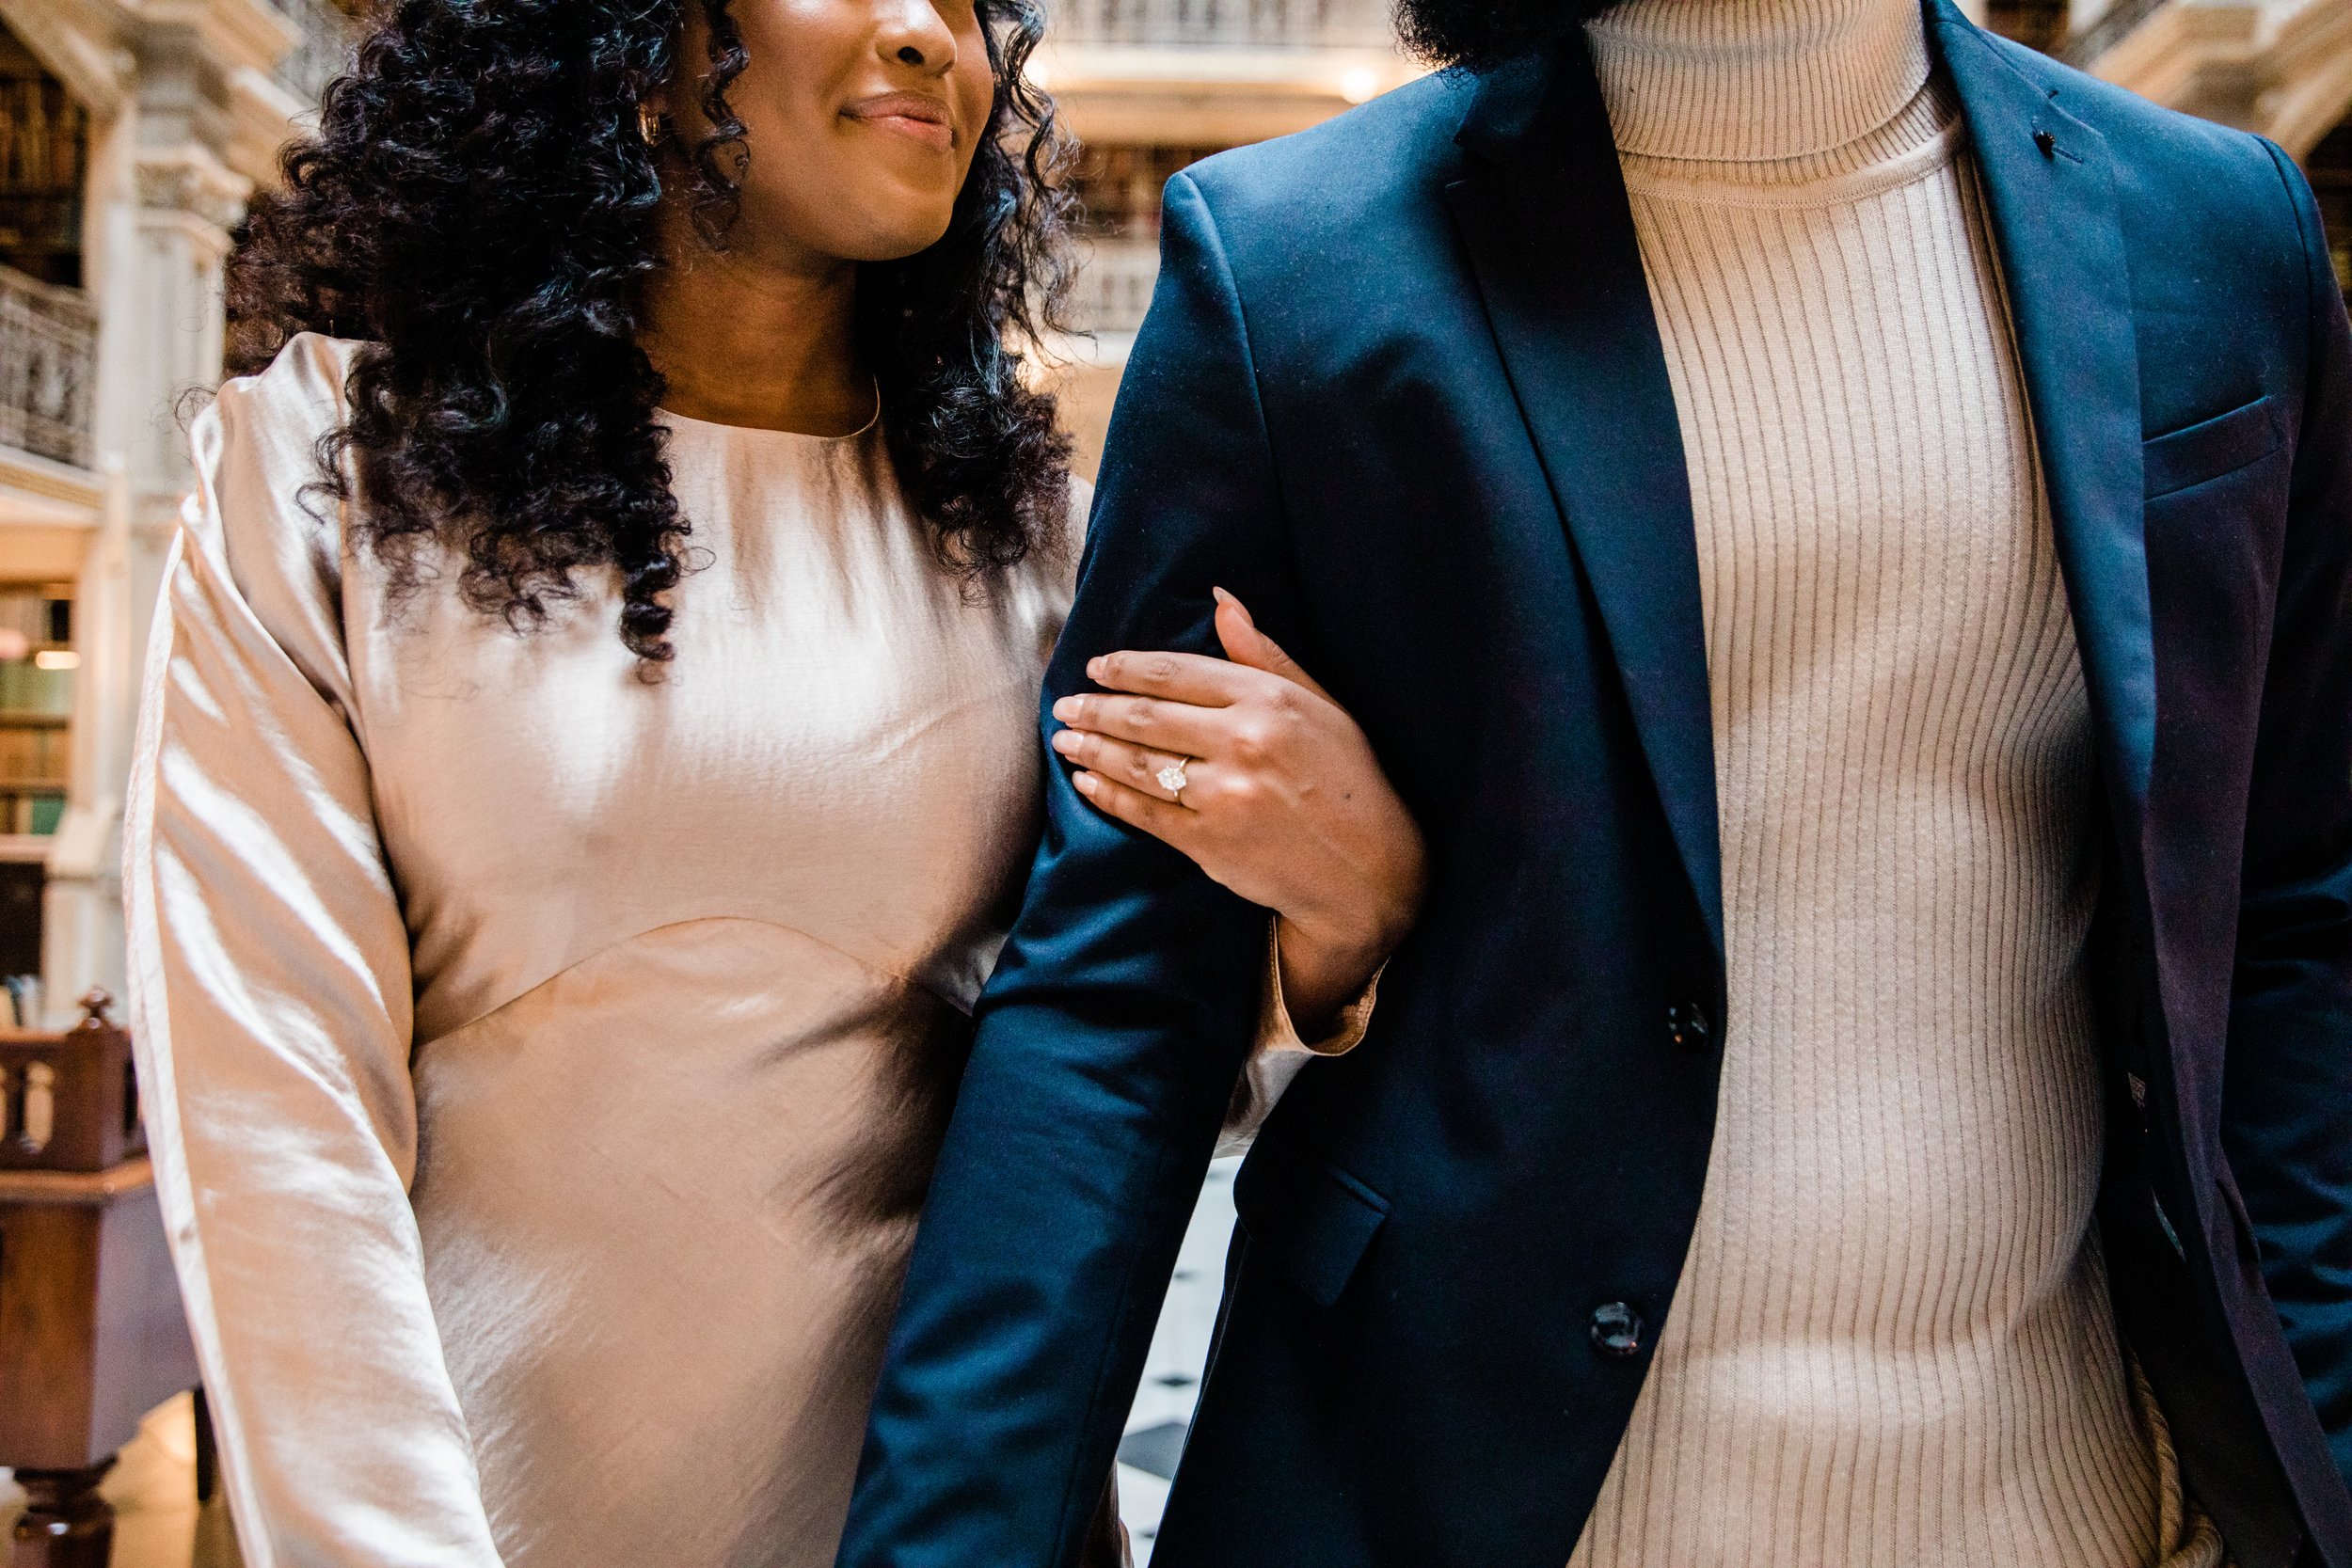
column 543, row 1065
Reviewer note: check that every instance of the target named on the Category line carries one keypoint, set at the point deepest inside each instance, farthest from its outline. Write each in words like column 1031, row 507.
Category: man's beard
column 1481, row 33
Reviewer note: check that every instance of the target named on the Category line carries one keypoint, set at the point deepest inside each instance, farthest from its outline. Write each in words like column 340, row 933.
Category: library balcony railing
column 1222, row 24
column 48, row 369
column 1114, row 285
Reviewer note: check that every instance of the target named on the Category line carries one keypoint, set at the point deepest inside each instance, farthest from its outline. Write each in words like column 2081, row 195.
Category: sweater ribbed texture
column 1891, row 1345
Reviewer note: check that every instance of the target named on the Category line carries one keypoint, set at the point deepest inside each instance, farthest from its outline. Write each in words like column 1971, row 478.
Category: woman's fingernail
column 1066, row 742
column 1223, row 597
column 1084, row 783
column 1095, row 669
column 1066, row 708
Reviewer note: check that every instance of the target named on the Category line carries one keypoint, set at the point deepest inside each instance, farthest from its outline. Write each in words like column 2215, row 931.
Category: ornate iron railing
column 48, row 366
column 1223, row 23
column 1114, row 286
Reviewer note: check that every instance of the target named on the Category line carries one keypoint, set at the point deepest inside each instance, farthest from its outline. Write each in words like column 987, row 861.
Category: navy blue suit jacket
column 1401, row 390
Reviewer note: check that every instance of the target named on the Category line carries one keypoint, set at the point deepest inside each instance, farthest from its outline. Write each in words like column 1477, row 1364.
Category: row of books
column 34, row 754
column 31, row 811
column 34, row 615
column 26, row 687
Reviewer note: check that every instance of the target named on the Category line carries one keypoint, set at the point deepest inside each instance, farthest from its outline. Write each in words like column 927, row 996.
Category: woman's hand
column 1280, row 799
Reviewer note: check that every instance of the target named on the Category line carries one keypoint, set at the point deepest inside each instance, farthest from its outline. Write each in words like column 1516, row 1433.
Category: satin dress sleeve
column 1281, row 1053
column 271, row 1002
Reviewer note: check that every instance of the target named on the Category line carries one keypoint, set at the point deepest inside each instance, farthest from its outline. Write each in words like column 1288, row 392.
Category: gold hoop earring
column 649, row 124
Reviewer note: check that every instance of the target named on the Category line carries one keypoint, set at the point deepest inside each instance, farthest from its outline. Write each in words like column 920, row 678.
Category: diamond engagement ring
column 1172, row 779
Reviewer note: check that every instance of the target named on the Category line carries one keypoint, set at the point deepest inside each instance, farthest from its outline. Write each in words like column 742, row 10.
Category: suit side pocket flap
column 2212, row 448
column 1314, row 1220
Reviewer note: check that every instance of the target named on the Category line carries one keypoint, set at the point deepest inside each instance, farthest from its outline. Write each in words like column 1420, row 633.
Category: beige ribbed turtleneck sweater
column 1891, row 1346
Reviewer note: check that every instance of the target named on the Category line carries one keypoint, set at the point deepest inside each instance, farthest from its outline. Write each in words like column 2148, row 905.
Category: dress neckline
column 763, row 433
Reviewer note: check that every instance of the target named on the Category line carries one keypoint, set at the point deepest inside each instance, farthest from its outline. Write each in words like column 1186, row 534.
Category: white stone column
column 166, row 235
column 189, row 199
column 82, row 925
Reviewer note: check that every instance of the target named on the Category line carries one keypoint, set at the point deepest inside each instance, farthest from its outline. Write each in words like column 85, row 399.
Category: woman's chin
column 903, row 230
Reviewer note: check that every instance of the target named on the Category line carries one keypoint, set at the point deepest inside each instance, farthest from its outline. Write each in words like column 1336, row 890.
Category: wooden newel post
column 91, row 1336
column 66, row 1524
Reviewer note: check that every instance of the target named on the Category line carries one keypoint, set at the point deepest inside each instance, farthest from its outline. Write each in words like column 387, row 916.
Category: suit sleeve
column 1119, row 1016
column 2287, row 1100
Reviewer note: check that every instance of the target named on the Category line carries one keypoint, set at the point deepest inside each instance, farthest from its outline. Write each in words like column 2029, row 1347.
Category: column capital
column 194, row 181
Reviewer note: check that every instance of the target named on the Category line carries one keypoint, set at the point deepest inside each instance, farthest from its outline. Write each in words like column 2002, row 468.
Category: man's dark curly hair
column 478, row 207
column 1480, row 34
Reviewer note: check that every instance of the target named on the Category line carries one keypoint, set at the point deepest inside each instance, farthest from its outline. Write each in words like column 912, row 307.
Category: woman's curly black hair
column 478, row 206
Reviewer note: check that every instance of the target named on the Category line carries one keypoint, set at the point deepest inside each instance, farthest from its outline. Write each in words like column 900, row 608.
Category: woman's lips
column 909, row 114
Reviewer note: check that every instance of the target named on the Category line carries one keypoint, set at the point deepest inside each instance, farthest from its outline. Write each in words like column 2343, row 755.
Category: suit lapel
column 1544, row 215
column 2050, row 186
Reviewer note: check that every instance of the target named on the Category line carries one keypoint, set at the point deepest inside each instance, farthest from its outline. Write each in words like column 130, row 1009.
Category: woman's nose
column 913, row 33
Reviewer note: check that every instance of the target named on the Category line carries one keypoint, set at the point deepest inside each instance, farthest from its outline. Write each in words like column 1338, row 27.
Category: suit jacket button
column 1687, row 1025
column 1616, row 1329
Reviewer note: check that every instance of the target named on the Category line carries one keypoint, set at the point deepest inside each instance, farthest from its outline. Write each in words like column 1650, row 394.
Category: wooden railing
column 48, row 367
column 1222, row 24
column 91, row 1335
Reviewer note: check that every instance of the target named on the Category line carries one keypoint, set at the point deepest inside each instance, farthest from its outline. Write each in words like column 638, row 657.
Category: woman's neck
column 743, row 340
column 1746, row 81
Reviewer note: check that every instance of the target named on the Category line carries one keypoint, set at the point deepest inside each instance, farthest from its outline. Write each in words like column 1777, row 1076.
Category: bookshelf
column 37, row 669
column 37, row 665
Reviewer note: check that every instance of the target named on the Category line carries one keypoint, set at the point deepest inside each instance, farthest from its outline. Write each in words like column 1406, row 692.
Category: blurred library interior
column 134, row 133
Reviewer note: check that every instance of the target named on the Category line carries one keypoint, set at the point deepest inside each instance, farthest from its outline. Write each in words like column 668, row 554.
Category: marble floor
column 153, row 1486
column 1171, row 1373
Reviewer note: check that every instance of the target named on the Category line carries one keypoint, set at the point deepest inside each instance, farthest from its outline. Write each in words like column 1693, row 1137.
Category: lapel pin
column 2046, row 142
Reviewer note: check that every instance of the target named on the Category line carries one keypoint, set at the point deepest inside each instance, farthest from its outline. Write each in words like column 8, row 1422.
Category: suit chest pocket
column 2215, row 508
column 2212, row 448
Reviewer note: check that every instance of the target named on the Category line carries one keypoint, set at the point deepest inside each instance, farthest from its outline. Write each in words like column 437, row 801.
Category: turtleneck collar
column 1751, row 81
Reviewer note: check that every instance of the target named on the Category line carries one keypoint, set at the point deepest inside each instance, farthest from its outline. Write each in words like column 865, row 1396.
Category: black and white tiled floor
column 1171, row 1373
